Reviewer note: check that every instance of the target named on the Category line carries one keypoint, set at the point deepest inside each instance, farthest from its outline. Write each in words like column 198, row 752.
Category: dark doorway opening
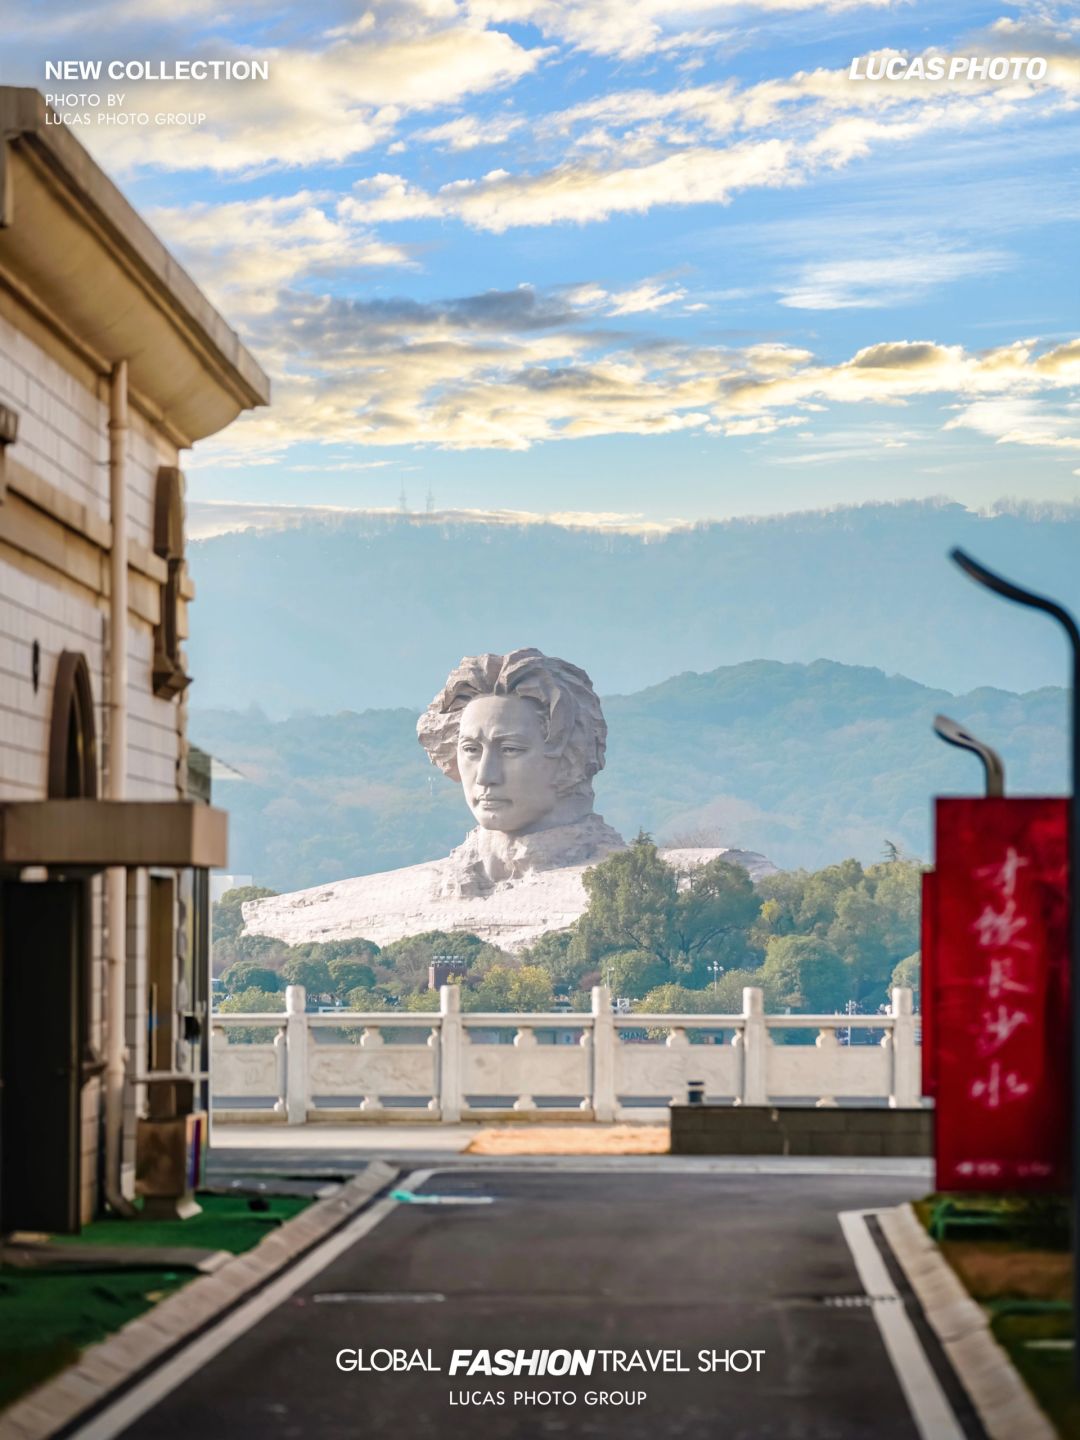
column 46, row 995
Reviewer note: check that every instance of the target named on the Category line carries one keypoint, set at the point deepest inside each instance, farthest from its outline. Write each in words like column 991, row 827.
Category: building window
column 72, row 733
column 170, row 677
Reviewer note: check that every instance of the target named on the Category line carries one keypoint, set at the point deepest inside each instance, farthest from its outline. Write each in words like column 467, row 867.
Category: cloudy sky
column 626, row 257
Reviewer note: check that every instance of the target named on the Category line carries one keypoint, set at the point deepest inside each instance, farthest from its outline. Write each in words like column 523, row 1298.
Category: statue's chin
column 490, row 822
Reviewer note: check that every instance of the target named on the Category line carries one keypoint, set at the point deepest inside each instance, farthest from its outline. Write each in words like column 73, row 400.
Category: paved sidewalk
column 366, row 1141
column 347, row 1149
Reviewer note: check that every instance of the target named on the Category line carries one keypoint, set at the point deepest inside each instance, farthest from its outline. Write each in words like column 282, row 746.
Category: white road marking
column 116, row 1418
column 930, row 1409
column 361, row 1297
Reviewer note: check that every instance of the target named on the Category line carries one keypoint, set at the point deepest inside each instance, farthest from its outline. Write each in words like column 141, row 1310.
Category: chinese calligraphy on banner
column 999, row 994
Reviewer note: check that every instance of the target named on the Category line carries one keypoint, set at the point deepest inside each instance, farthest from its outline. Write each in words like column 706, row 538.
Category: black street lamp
column 1006, row 588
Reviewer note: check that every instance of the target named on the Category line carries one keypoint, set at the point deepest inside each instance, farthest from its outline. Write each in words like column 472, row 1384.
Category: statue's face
column 509, row 782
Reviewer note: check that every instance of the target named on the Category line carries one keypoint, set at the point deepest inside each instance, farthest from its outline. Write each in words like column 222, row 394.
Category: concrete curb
column 1005, row 1405
column 116, row 1362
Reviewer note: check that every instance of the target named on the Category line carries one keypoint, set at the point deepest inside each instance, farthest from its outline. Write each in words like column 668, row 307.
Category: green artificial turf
column 48, row 1317
column 1047, row 1373
column 227, row 1222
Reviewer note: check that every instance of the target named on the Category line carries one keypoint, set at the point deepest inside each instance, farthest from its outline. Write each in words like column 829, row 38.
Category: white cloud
column 511, row 369
column 579, row 192
column 470, row 132
column 886, row 279
column 243, row 252
column 1022, row 421
column 637, row 29
column 634, row 150
column 644, row 298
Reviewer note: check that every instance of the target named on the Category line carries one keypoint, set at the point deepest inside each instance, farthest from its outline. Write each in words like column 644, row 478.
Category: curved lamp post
column 1009, row 591
column 953, row 733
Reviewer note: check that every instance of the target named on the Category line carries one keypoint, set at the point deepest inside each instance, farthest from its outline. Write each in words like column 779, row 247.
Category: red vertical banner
column 1000, row 1029
column 927, row 982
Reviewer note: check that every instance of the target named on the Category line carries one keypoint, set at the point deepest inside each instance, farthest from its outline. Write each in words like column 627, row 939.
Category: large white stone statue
column 524, row 735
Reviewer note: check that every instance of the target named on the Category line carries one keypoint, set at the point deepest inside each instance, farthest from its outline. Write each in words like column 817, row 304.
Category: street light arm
column 953, row 733
column 998, row 583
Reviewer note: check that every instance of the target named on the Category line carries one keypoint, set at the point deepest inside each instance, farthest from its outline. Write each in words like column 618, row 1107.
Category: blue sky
column 640, row 260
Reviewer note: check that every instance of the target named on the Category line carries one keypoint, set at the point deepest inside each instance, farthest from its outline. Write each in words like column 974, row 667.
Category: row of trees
column 667, row 939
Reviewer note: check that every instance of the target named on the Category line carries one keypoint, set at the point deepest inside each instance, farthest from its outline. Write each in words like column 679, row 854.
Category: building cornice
column 72, row 243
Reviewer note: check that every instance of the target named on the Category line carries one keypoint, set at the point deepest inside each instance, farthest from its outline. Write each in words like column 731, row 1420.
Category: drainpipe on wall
column 116, row 760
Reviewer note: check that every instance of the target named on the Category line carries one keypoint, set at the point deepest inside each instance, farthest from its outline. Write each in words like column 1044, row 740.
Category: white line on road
column 366, row 1297
column 929, row 1406
column 116, row 1418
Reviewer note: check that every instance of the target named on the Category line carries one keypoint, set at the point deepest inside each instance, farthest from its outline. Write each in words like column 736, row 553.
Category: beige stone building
column 112, row 363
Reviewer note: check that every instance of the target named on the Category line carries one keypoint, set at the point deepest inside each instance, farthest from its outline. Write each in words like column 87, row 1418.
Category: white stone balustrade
column 449, row 1065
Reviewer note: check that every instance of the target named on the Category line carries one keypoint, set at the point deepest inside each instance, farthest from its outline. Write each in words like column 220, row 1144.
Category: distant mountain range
column 808, row 764
column 369, row 610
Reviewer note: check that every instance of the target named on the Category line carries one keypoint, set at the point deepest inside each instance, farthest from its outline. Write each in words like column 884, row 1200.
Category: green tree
column 632, row 972
column 671, row 999
column 908, row 974
column 312, row 974
column 368, row 998
column 563, row 955
column 421, row 1000
column 408, row 960
column 510, row 987
column 876, row 924
column 252, row 1002
column 804, row 973
column 685, row 918
column 716, row 906
column 358, row 949
column 726, row 996
column 348, row 974
column 248, row 974
column 632, row 899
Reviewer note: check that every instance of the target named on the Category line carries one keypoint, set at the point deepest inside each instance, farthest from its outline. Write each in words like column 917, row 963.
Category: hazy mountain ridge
column 806, row 763
column 363, row 610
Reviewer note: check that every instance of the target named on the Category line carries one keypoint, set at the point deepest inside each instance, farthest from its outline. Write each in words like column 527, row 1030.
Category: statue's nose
column 490, row 771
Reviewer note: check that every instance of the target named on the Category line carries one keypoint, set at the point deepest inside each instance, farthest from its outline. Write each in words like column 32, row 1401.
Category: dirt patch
column 571, row 1140
column 991, row 1271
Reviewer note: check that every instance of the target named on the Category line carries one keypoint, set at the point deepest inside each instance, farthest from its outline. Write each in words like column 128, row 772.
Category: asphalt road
column 614, row 1260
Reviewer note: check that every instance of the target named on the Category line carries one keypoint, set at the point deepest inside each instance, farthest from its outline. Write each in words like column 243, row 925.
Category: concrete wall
column 799, row 1130
column 62, row 407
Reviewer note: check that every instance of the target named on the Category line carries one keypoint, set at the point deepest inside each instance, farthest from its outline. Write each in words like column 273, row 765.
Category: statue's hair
column 574, row 725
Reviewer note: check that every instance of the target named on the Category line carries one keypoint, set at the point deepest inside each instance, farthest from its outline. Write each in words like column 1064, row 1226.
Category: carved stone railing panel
column 248, row 1072
column 527, row 1069
column 662, row 1072
column 372, row 1071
